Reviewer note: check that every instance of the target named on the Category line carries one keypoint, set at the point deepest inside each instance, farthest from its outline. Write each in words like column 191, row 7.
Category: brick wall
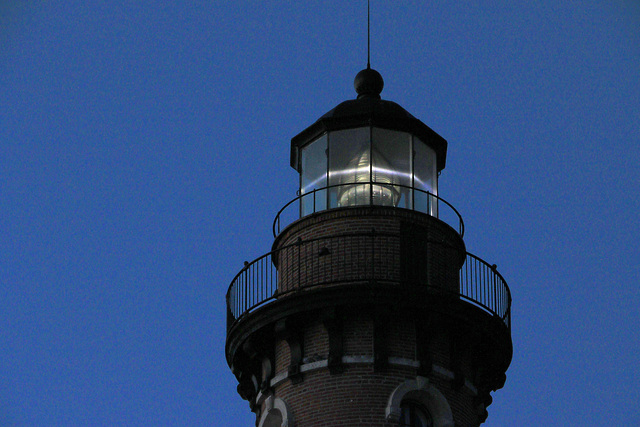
column 407, row 249
column 358, row 395
column 376, row 243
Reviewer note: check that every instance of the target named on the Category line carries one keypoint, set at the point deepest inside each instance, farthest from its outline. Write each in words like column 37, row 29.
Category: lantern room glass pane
column 349, row 167
column 391, row 152
column 313, row 176
column 425, row 178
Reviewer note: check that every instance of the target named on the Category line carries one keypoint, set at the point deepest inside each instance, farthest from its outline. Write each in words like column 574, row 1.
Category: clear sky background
column 144, row 151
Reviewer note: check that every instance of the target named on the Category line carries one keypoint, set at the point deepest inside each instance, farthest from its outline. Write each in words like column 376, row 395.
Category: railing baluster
column 244, row 292
column 496, row 292
column 373, row 254
column 299, row 269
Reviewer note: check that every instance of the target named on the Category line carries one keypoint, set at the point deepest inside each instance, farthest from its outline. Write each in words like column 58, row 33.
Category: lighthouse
column 368, row 310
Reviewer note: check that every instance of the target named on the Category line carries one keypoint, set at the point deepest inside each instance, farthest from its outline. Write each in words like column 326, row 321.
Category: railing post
column 495, row 289
column 245, row 277
column 373, row 254
column 299, row 244
column 413, row 198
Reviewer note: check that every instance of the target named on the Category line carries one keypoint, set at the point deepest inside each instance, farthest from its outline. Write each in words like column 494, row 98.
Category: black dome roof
column 370, row 110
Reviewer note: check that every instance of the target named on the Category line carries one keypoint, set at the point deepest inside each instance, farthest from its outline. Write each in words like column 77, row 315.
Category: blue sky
column 144, row 151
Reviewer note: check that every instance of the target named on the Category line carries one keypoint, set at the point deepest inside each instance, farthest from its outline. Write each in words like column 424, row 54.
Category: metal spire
column 368, row 36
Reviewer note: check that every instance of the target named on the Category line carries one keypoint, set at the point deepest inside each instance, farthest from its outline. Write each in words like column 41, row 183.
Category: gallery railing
column 358, row 258
column 367, row 194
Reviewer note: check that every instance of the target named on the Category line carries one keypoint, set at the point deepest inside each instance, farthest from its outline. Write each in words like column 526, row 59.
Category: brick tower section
column 372, row 307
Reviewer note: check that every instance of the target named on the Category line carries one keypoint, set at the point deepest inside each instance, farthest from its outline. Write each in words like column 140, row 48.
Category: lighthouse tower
column 368, row 310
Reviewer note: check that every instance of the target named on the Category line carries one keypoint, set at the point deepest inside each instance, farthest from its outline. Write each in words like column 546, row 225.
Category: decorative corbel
column 334, row 325
column 380, row 350
column 291, row 332
column 454, row 356
column 424, row 336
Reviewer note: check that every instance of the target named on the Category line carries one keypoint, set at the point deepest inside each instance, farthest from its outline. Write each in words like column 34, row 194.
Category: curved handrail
column 259, row 282
column 430, row 208
column 474, row 270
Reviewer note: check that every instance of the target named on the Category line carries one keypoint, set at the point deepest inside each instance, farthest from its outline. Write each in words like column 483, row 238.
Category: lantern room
column 368, row 151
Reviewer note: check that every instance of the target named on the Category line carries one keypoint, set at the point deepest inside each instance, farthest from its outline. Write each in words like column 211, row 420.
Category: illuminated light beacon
column 368, row 311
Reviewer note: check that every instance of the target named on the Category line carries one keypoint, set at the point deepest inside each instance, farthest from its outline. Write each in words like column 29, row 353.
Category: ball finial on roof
column 368, row 82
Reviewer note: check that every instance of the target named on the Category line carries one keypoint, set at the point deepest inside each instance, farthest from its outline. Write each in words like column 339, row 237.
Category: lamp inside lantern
column 367, row 166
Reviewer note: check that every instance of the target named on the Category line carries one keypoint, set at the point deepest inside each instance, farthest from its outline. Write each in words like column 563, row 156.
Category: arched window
column 276, row 413
column 416, row 403
column 413, row 414
column 273, row 419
